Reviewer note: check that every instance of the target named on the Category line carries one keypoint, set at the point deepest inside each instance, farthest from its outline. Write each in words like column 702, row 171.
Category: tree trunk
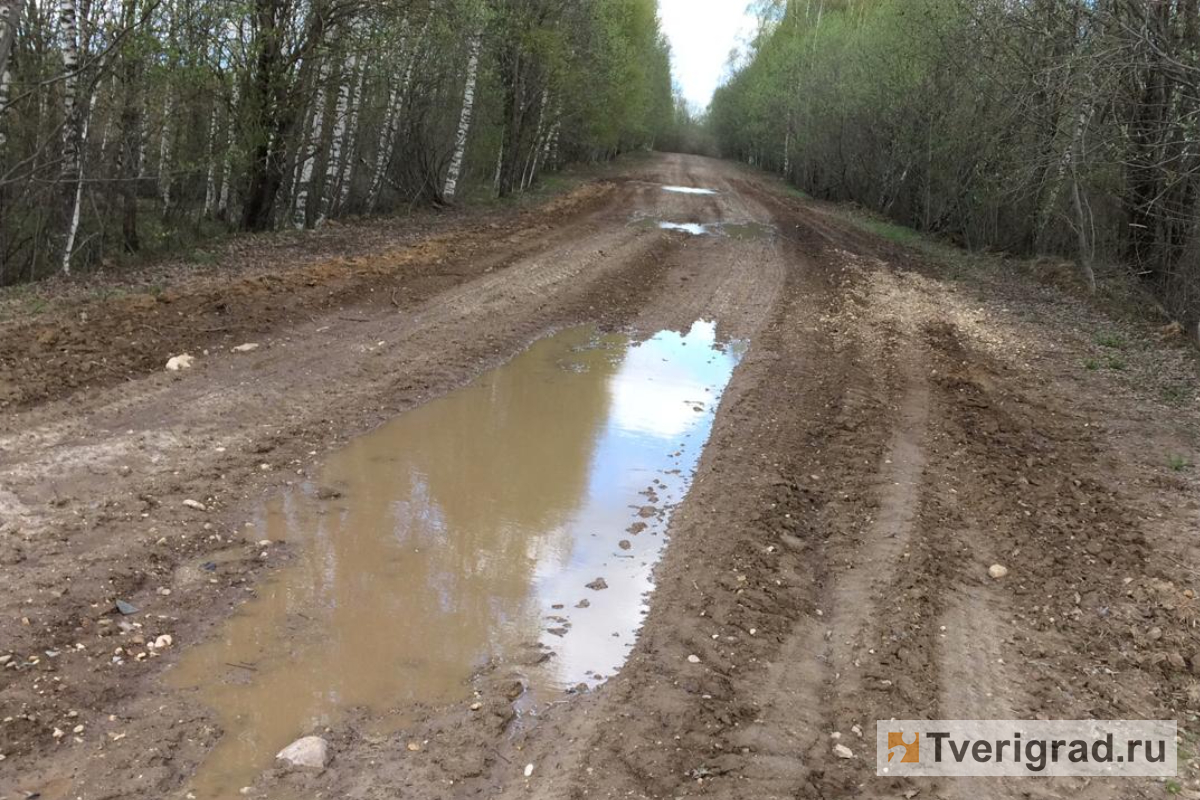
column 129, row 149
column 67, row 190
column 464, row 122
column 10, row 13
column 210, row 178
column 227, row 167
column 348, row 159
column 308, row 153
column 164, row 153
column 333, row 165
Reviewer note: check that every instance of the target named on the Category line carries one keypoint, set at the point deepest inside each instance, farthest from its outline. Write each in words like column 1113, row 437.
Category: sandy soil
column 895, row 428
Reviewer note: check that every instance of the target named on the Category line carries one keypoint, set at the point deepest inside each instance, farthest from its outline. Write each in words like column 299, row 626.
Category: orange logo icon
column 910, row 751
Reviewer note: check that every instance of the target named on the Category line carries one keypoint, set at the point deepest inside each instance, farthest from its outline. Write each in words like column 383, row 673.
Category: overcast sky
column 702, row 32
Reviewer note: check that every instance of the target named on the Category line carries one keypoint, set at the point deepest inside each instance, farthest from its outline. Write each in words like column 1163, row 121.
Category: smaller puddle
column 695, row 229
column 688, row 190
column 733, row 230
column 524, row 511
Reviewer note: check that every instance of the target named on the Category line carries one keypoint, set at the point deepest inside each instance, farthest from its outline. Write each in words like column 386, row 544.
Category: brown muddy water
column 467, row 530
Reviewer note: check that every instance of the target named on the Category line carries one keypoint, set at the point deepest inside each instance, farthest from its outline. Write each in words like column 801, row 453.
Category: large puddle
column 464, row 530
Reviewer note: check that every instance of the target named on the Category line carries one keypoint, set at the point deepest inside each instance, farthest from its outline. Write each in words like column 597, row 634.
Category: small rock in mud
column 584, row 603
column 328, row 493
column 624, row 544
column 841, row 751
column 597, row 584
column 126, row 608
column 311, row 752
column 246, row 348
column 196, row 504
column 997, row 571
column 180, row 362
column 693, row 659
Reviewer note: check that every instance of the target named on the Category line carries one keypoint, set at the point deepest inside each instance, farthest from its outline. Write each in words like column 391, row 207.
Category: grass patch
column 1116, row 363
column 1175, row 395
column 1113, row 341
column 890, row 231
column 1178, row 463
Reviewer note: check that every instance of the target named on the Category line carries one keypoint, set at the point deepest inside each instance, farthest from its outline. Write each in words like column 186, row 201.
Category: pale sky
column 702, row 32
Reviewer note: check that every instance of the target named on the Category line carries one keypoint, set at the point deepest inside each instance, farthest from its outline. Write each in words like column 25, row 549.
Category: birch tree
column 70, row 176
column 10, row 13
column 464, row 121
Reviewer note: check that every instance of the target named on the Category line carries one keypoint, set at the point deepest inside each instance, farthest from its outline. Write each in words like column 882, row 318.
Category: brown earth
column 897, row 426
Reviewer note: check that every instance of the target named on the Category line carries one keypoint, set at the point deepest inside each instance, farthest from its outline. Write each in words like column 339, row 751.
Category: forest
column 1040, row 127
column 139, row 126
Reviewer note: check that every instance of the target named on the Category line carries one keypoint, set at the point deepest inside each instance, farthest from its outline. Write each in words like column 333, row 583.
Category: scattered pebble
column 528, row 770
column 597, row 584
column 693, row 659
column 196, row 504
column 180, row 362
column 997, row 571
column 246, row 348
column 841, row 751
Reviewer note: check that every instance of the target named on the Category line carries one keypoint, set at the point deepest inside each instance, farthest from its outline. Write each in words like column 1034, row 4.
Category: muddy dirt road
column 887, row 435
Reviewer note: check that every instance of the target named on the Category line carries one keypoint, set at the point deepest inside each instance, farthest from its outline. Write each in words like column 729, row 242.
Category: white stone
column 196, row 504
column 997, row 571
column 311, row 752
column 180, row 362
column 841, row 751
column 246, row 348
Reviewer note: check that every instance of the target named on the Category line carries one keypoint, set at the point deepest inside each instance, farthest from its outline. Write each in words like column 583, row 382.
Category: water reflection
column 466, row 529
column 688, row 190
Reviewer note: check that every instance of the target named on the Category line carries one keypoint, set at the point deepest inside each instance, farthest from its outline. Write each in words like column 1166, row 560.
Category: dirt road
column 890, row 434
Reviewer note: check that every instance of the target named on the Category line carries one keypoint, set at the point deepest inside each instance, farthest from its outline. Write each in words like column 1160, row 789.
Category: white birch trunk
column 464, row 122
column 334, row 164
column 10, row 11
column 531, row 164
column 352, row 139
column 210, row 179
column 164, row 153
column 227, row 167
column 308, row 156
column 72, row 136
column 77, row 204
column 499, row 162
